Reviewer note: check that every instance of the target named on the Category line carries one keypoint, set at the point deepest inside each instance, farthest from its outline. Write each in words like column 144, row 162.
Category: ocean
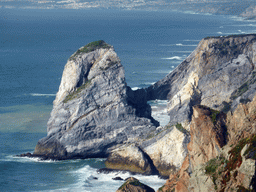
column 35, row 45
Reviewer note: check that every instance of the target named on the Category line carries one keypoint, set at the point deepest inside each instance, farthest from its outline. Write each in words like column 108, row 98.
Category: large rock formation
column 95, row 114
column 218, row 74
column 94, row 110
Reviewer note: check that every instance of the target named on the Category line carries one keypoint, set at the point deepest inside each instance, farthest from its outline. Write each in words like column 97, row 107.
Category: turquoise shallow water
column 34, row 47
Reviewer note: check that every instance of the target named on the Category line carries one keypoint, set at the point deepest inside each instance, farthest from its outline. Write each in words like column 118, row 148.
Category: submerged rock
column 118, row 178
column 134, row 185
column 94, row 110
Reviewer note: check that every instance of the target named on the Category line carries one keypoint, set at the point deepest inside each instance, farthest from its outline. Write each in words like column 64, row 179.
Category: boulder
column 130, row 158
column 134, row 185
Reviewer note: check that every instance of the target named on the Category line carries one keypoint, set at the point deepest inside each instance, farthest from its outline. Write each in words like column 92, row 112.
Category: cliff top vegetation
column 91, row 47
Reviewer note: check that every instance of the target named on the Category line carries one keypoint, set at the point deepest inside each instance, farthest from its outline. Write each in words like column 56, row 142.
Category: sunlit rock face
column 219, row 74
column 94, row 110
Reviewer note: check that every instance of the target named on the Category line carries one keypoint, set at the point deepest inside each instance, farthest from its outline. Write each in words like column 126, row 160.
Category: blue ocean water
column 34, row 47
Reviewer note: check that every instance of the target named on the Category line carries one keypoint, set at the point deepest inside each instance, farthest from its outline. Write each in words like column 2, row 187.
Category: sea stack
column 94, row 111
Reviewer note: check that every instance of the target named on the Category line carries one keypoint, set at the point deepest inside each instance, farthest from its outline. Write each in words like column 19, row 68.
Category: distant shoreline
column 247, row 10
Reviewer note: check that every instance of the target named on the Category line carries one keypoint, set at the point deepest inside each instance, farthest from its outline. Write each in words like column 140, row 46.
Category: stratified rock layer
column 219, row 74
column 94, row 110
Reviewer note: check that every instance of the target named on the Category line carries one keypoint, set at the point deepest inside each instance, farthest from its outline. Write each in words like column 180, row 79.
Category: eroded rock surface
column 168, row 152
column 130, row 158
column 219, row 74
column 219, row 158
column 94, row 110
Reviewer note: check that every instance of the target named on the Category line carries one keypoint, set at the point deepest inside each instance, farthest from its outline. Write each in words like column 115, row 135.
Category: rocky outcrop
column 208, row 135
column 168, row 152
column 218, row 73
column 94, row 111
column 130, row 158
column 221, row 153
column 134, row 185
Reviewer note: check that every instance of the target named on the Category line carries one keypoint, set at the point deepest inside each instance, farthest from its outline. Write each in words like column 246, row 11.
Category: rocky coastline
column 211, row 105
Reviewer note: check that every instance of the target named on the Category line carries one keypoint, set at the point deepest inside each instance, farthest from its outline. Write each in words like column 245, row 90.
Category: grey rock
column 94, row 110
column 218, row 74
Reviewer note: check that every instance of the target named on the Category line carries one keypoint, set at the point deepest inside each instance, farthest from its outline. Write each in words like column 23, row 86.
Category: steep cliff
column 219, row 74
column 212, row 93
column 94, row 110
column 221, row 153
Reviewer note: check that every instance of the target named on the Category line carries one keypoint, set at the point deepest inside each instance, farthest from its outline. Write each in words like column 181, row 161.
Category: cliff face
column 212, row 93
column 94, row 110
column 221, row 153
column 218, row 74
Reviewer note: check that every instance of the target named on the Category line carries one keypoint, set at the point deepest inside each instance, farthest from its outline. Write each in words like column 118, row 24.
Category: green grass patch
column 214, row 115
column 214, row 168
column 221, row 169
column 90, row 47
column 181, row 128
column 251, row 151
column 77, row 91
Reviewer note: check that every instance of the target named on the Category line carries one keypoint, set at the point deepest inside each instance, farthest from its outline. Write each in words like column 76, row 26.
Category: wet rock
column 118, row 178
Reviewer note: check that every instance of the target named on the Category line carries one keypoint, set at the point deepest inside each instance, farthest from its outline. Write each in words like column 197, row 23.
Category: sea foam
column 42, row 95
column 174, row 58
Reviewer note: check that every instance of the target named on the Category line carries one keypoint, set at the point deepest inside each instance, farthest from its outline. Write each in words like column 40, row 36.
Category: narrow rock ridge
column 94, row 111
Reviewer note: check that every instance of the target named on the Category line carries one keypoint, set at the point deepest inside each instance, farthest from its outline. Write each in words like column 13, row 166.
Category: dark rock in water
column 94, row 110
column 117, row 178
column 93, row 178
column 107, row 171
column 134, row 185
column 25, row 155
